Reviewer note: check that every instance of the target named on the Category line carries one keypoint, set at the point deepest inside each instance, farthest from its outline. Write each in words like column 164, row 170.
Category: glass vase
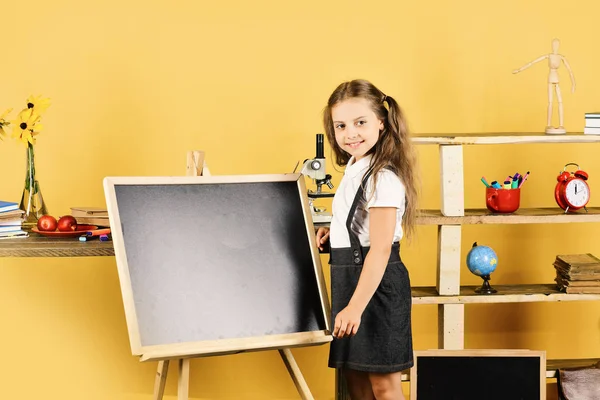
column 32, row 201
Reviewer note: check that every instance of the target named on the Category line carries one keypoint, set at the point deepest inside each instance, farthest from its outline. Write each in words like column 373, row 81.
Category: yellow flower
column 27, row 126
column 38, row 103
column 4, row 123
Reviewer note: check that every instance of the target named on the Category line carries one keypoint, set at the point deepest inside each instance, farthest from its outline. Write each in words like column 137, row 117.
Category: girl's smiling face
column 356, row 126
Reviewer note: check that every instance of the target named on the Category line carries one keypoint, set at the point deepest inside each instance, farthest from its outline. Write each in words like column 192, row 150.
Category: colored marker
column 496, row 185
column 524, row 179
column 104, row 238
column 98, row 232
column 515, row 182
column 485, row 181
column 506, row 185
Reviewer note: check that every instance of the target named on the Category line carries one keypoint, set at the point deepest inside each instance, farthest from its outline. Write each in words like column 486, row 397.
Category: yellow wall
column 136, row 84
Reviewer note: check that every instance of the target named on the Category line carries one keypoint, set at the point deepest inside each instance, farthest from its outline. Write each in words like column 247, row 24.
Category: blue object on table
column 482, row 261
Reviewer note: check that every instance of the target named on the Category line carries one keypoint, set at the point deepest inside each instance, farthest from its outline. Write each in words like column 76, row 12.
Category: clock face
column 577, row 193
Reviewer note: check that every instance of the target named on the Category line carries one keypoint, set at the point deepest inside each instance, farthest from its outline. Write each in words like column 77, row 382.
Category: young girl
column 373, row 208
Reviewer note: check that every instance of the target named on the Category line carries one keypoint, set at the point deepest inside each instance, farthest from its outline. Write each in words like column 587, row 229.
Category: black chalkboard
column 468, row 375
column 215, row 259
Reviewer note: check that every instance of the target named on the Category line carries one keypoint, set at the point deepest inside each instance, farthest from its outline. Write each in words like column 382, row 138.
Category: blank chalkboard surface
column 215, row 265
column 479, row 374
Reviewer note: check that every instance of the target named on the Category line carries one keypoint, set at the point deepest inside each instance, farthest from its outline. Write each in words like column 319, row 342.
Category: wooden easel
column 196, row 166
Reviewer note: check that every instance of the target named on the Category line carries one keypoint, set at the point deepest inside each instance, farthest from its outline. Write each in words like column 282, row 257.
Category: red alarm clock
column 572, row 191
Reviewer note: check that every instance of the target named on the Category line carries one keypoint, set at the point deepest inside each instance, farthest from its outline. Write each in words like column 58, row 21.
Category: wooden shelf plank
column 505, row 294
column 550, row 215
column 41, row 246
column 551, row 366
column 503, row 138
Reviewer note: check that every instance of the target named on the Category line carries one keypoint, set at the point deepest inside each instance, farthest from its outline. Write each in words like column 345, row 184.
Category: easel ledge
column 234, row 346
column 196, row 166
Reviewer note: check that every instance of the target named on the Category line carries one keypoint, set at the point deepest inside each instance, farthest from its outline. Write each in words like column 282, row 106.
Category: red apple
column 67, row 223
column 47, row 223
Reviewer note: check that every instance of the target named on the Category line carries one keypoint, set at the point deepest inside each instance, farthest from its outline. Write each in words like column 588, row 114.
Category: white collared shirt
column 390, row 192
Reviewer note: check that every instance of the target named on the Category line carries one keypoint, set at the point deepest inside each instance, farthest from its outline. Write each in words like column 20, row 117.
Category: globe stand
column 485, row 287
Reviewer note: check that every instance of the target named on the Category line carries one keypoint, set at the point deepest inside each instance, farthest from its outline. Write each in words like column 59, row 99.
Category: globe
column 482, row 261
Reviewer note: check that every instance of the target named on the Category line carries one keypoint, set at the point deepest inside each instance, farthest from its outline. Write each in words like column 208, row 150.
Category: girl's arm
column 382, row 224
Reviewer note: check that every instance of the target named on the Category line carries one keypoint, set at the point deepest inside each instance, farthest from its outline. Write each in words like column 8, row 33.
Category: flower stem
column 30, row 182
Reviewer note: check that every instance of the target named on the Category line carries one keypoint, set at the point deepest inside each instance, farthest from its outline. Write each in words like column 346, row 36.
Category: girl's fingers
column 336, row 328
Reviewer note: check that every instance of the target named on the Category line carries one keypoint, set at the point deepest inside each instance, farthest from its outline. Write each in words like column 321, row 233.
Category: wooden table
column 40, row 246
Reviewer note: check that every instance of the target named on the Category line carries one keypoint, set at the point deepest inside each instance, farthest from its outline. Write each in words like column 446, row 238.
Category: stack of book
column 11, row 221
column 592, row 123
column 91, row 216
column 578, row 273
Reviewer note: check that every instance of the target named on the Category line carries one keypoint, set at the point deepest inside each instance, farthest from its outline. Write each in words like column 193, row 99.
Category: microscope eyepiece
column 320, row 148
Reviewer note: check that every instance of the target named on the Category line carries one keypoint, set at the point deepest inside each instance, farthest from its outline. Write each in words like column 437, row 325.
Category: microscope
column 315, row 169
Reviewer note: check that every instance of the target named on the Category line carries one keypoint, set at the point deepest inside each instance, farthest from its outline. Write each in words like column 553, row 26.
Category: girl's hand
column 322, row 237
column 347, row 322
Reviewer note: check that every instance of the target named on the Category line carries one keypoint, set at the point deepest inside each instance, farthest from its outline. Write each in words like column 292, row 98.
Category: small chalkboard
column 217, row 265
column 478, row 374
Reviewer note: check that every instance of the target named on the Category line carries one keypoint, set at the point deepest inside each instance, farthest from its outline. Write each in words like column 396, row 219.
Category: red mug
column 502, row 200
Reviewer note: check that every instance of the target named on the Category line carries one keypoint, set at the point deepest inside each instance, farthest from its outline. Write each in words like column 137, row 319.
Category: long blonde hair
column 394, row 149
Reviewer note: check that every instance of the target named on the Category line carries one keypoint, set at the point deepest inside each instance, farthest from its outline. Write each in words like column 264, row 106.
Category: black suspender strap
column 354, row 241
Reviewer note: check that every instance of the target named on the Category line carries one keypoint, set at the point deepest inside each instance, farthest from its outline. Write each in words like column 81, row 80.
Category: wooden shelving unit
column 448, row 294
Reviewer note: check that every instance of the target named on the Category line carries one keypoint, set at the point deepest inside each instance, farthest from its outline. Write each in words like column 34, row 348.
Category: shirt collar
column 353, row 168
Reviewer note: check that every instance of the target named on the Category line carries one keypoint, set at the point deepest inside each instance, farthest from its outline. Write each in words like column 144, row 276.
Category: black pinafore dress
column 383, row 342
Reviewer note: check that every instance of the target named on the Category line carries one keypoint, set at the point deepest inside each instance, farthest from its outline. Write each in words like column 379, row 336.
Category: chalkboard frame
column 221, row 346
column 420, row 354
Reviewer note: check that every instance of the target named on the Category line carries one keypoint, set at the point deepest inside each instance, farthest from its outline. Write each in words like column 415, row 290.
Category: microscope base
column 321, row 218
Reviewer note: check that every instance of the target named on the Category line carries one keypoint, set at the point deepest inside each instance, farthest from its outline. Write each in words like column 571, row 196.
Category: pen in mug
column 485, row 181
column 506, row 185
column 524, row 179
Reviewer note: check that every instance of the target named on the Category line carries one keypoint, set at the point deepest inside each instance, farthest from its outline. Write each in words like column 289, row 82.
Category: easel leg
column 296, row 374
column 161, row 379
column 183, row 384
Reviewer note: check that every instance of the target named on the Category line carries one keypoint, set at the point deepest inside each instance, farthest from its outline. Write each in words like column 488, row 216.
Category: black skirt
column 383, row 342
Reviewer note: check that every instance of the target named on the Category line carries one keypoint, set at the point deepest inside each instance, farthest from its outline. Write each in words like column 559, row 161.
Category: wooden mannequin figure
column 554, row 60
